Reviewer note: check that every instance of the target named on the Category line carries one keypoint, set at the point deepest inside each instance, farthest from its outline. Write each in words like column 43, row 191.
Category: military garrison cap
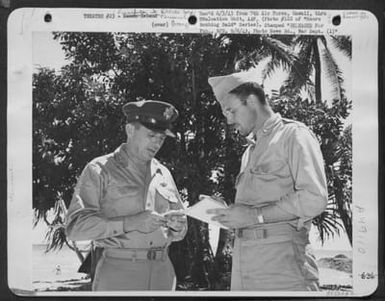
column 153, row 114
column 222, row 85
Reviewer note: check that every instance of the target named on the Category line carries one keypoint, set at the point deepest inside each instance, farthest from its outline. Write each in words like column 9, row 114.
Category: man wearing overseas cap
column 127, row 203
column 280, row 188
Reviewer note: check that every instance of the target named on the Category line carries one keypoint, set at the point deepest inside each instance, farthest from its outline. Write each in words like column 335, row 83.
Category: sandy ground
column 330, row 279
column 82, row 284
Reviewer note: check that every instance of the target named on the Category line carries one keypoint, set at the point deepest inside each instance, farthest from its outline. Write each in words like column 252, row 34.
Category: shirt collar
column 269, row 125
column 251, row 139
column 155, row 168
column 121, row 155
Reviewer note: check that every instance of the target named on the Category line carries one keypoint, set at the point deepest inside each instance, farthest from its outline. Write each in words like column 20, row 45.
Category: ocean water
column 54, row 267
column 322, row 253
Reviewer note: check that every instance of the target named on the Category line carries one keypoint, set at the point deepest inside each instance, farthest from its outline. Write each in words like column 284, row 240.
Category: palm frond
column 282, row 55
column 269, row 69
column 329, row 222
column 300, row 75
column 309, row 87
column 343, row 44
column 332, row 71
column 56, row 238
column 248, row 60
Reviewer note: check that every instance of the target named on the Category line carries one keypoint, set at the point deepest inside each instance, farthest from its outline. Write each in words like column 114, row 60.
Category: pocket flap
column 167, row 193
column 267, row 167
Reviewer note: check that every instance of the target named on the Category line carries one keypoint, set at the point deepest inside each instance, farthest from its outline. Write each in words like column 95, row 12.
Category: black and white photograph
column 173, row 161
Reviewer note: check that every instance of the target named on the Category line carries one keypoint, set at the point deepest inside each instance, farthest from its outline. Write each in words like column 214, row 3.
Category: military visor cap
column 153, row 114
column 223, row 85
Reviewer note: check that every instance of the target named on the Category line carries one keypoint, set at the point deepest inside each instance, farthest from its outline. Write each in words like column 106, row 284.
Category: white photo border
column 361, row 25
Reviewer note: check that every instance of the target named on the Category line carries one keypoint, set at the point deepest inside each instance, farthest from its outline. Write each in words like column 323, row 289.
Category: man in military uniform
column 281, row 187
column 127, row 203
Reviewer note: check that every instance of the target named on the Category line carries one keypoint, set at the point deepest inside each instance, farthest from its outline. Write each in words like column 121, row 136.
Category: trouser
column 133, row 269
column 271, row 259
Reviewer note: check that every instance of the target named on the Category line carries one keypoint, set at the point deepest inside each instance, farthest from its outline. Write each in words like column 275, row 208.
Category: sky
column 47, row 52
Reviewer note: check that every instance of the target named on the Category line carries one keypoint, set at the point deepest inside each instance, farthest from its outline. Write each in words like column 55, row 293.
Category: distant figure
column 58, row 269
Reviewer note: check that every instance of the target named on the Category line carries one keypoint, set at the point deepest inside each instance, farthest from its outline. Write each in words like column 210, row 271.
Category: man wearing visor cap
column 280, row 188
column 127, row 203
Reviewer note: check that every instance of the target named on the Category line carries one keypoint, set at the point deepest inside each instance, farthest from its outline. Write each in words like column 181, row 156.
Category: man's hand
column 145, row 222
column 236, row 216
column 214, row 197
column 176, row 220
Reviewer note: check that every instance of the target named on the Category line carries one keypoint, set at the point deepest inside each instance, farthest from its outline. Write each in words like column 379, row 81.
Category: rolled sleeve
column 309, row 197
column 85, row 220
column 273, row 214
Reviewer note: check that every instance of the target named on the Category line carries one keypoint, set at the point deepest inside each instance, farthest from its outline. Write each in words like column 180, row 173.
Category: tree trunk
column 75, row 248
column 342, row 211
column 317, row 67
column 78, row 253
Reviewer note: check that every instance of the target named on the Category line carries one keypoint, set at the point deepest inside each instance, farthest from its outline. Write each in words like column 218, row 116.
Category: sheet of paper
column 199, row 209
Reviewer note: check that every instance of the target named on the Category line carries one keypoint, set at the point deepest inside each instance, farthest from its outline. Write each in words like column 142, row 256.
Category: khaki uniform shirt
column 284, row 166
column 112, row 187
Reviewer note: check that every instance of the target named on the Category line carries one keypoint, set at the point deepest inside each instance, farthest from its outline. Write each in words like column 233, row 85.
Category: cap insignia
column 168, row 112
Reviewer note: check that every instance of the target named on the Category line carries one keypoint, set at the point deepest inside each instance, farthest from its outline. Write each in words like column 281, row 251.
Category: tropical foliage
column 77, row 116
column 314, row 57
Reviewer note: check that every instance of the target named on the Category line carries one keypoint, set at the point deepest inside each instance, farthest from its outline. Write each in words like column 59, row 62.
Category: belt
column 264, row 233
column 137, row 254
column 251, row 233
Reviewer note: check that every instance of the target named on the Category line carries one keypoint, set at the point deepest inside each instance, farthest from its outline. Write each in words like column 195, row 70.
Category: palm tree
column 314, row 57
column 175, row 67
column 247, row 51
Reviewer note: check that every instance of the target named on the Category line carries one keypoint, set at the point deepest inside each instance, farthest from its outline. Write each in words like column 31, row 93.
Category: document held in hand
column 199, row 209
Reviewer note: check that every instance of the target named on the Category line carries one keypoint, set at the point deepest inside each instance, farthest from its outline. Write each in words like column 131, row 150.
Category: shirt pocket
column 269, row 170
column 165, row 199
column 122, row 199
